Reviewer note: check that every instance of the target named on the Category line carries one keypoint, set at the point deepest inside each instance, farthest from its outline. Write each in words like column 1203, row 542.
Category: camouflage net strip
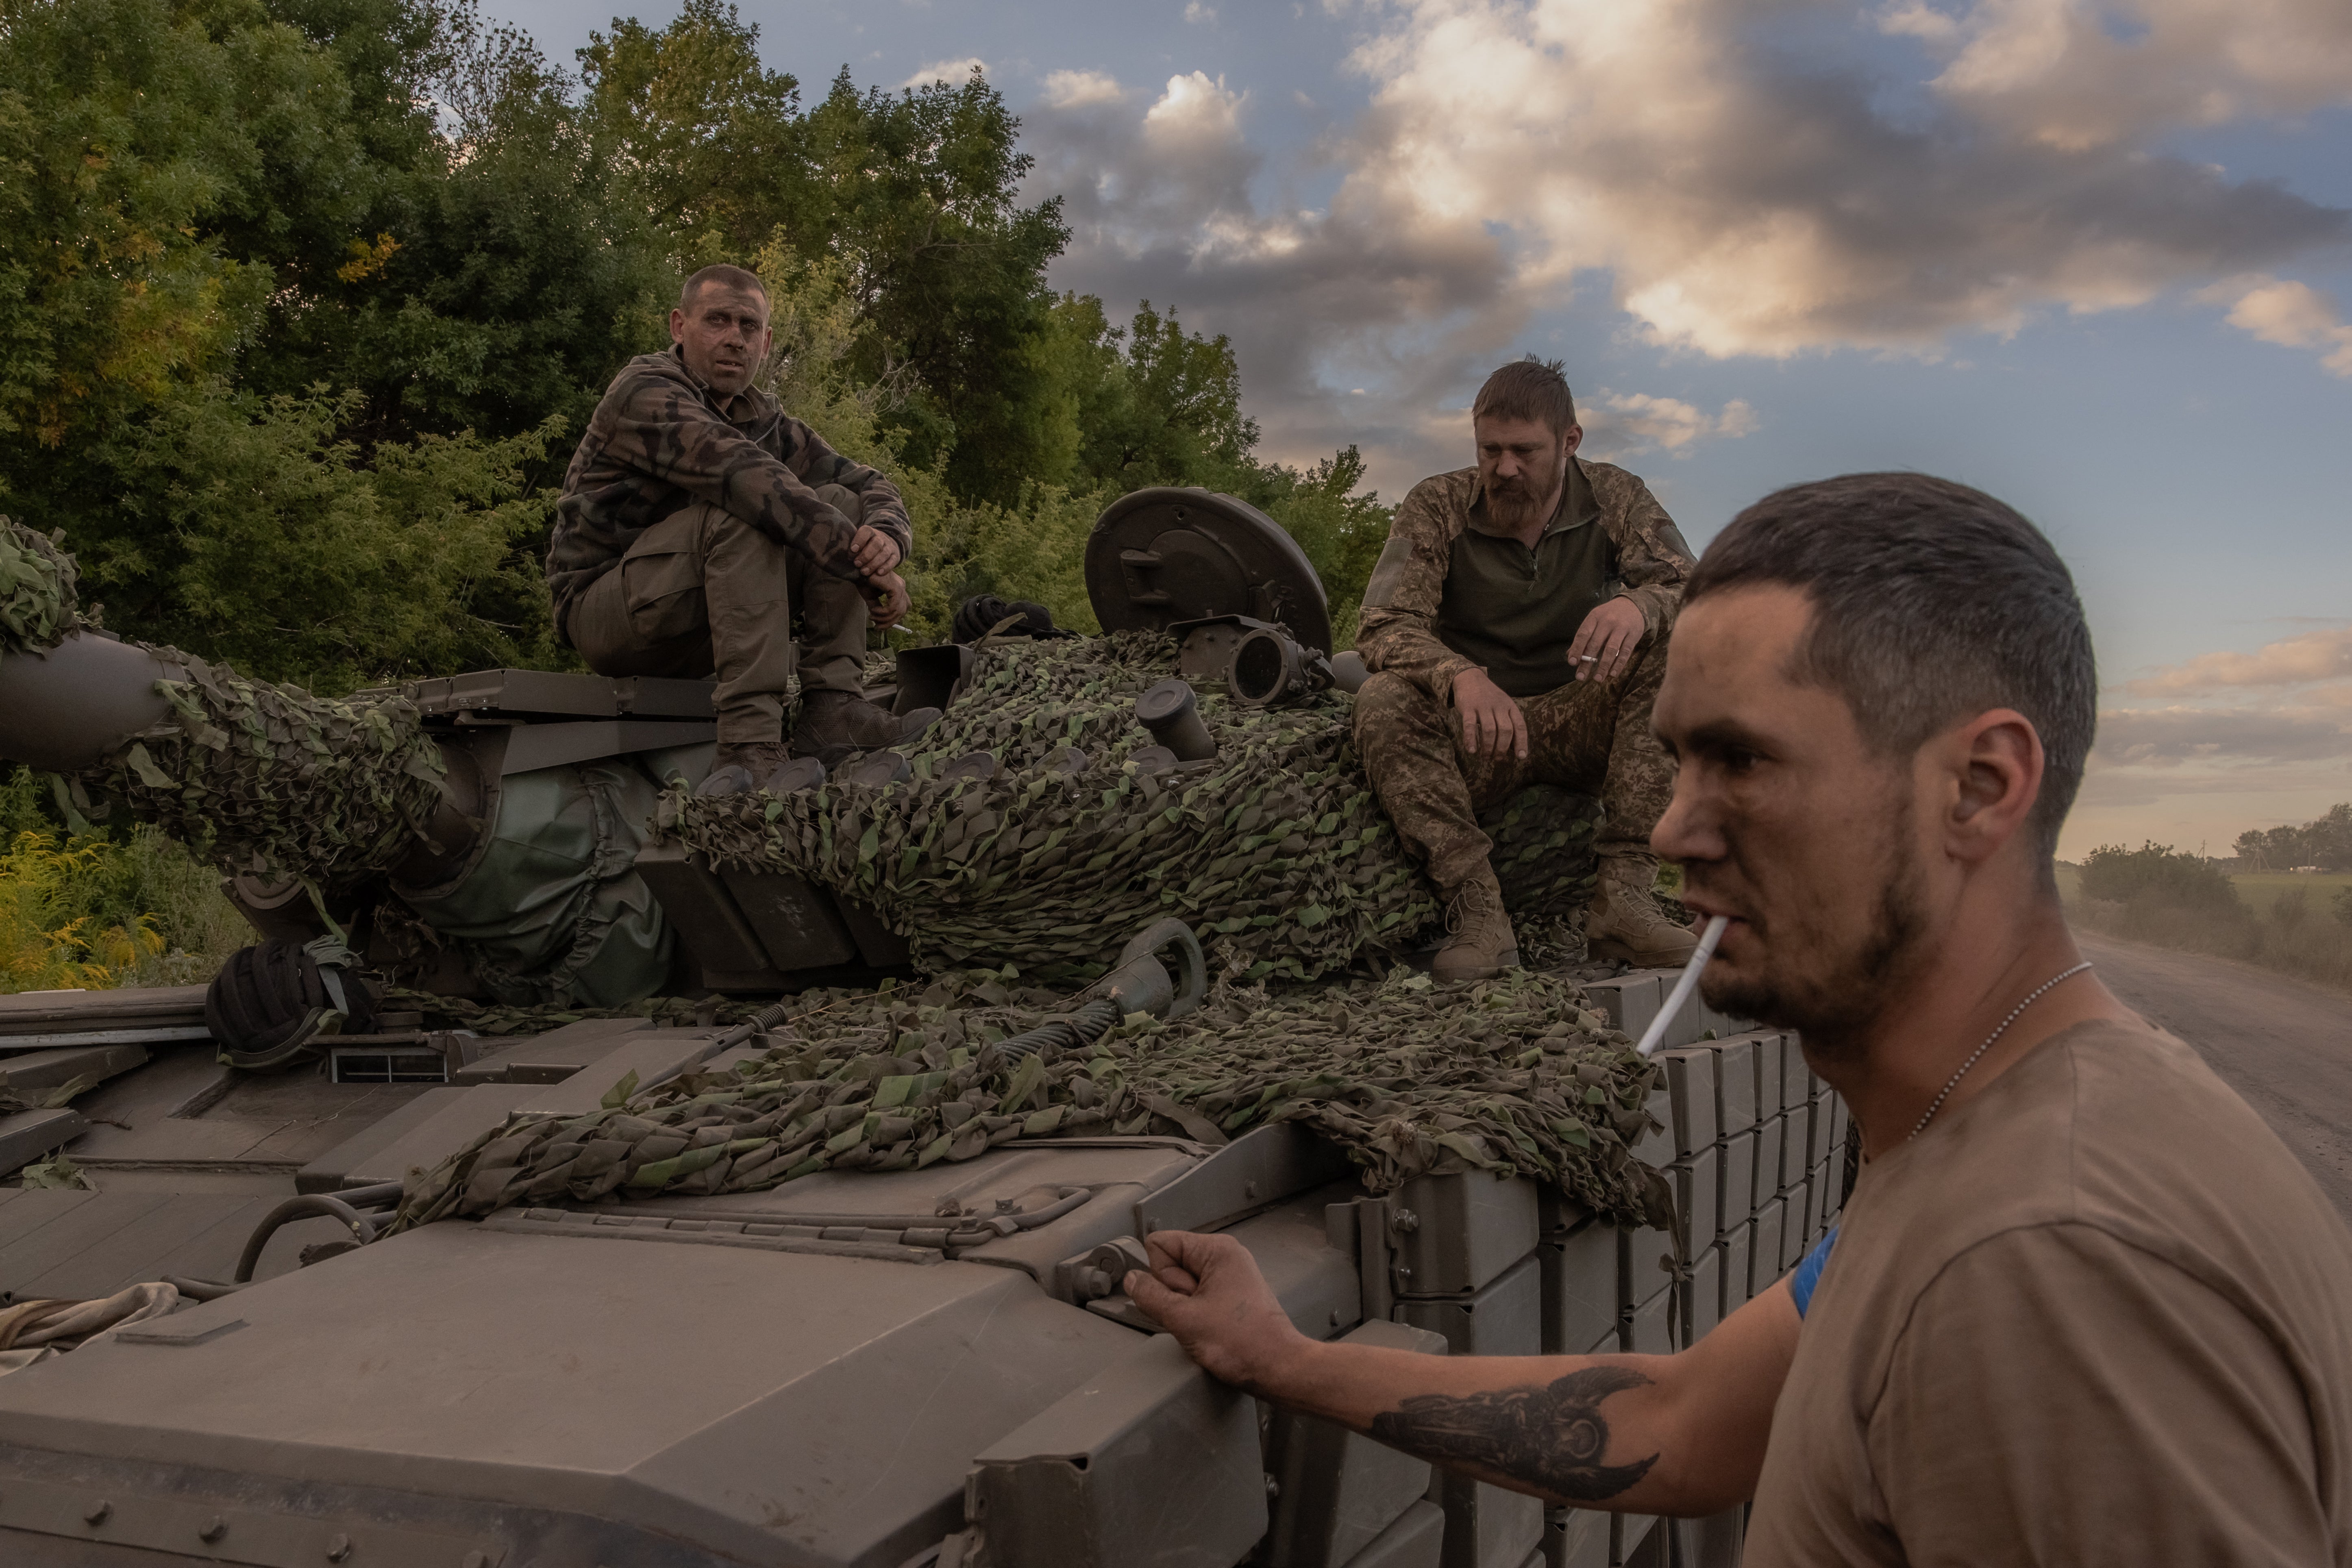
column 1275, row 851
column 37, row 606
column 274, row 781
column 277, row 781
column 1515, row 1076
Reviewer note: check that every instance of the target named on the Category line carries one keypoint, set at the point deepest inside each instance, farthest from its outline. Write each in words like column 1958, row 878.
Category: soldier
column 700, row 520
column 1517, row 628
column 2083, row 1306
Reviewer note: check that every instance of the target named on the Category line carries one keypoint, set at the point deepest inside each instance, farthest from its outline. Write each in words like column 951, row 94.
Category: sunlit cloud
column 2293, row 315
column 955, row 73
column 1076, row 89
column 2002, row 160
column 2313, row 655
column 1627, row 423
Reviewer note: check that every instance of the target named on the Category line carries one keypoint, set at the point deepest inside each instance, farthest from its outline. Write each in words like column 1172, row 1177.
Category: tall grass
column 2154, row 895
column 106, row 909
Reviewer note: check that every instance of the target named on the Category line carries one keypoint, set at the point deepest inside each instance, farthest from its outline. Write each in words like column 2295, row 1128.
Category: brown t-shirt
column 2097, row 1314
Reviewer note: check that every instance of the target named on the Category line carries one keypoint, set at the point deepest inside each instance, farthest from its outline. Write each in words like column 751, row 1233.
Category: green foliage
column 302, row 302
column 263, row 539
column 104, row 910
column 2156, row 874
column 1341, row 531
column 24, row 804
column 50, row 936
column 2152, row 894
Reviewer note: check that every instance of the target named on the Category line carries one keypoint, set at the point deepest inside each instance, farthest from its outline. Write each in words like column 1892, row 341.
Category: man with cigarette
column 2083, row 1306
column 1516, row 628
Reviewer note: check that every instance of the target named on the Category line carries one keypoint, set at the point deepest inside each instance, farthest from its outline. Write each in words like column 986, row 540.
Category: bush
column 2152, row 894
column 2156, row 874
column 95, row 911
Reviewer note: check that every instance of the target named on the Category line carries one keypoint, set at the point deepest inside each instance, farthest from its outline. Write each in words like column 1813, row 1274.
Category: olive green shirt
column 1515, row 610
column 1449, row 595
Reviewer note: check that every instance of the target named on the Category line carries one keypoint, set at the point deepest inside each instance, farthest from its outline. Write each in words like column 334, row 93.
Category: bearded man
column 1517, row 628
column 699, row 521
column 2083, row 1306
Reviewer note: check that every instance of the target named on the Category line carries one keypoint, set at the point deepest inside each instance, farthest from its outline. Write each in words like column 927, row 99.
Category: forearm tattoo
column 1551, row 1437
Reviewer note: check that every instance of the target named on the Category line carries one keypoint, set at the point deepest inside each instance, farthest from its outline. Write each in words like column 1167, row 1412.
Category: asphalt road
column 2286, row 1047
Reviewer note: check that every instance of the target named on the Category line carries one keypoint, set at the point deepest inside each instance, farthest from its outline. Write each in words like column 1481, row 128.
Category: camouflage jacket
column 1398, row 630
column 662, row 439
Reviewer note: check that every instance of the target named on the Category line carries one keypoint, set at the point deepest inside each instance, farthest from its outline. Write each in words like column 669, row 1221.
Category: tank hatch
column 1163, row 555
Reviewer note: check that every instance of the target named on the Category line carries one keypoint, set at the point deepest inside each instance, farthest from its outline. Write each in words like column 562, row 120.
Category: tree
column 2325, row 842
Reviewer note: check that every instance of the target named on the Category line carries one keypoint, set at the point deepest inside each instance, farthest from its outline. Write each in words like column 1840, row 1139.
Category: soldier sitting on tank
column 700, row 520
column 1516, row 628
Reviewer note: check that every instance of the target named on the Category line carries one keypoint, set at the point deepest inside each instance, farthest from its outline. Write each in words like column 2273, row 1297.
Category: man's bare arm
column 1678, row 1434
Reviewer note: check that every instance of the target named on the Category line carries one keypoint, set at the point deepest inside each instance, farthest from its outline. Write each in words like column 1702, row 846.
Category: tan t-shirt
column 2098, row 1314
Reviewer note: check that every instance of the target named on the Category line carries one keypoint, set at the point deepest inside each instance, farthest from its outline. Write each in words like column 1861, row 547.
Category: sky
column 2094, row 257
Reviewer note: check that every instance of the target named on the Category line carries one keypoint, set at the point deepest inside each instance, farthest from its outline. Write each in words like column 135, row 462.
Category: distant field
column 2262, row 889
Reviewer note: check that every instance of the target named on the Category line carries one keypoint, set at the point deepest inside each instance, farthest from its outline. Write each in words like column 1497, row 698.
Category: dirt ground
column 2286, row 1047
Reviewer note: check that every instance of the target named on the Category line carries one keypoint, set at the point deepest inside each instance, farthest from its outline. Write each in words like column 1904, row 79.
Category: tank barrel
column 63, row 708
column 279, row 783
column 68, row 694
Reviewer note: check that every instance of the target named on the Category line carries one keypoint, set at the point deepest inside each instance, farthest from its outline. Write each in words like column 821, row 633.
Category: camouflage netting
column 274, row 781
column 277, row 781
column 1276, row 852
column 37, row 590
column 1515, row 1076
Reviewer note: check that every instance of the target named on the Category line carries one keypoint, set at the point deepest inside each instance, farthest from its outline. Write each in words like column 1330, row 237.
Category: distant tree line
column 2325, row 842
column 303, row 304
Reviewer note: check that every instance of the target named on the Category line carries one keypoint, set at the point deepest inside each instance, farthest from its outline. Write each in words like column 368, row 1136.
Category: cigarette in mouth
column 1685, row 985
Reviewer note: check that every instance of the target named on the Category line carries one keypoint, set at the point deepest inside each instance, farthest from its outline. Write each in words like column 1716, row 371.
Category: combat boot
column 737, row 766
column 834, row 723
column 1626, row 922
column 1480, row 942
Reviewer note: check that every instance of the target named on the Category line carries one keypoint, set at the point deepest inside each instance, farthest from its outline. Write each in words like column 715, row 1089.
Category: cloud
column 952, row 72
column 2074, row 76
column 2313, row 655
column 1197, row 13
column 1747, row 202
column 1077, row 90
column 2294, row 315
column 1629, row 424
column 2168, row 737
column 1912, row 174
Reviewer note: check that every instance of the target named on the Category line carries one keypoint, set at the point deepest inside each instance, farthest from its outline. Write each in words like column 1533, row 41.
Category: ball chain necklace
column 1953, row 1082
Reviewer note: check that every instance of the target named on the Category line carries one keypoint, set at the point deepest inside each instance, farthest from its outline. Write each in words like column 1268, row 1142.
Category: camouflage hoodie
column 1649, row 564
column 662, row 439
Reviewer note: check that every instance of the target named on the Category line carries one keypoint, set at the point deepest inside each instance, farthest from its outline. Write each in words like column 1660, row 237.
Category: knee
column 1389, row 706
column 845, row 501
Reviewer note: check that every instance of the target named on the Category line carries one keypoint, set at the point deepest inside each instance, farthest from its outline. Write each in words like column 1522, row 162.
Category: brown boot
column 737, row 767
column 837, row 722
column 1626, row 922
column 1481, row 944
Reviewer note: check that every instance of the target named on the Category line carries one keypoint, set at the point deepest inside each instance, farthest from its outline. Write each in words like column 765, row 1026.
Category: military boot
column 1626, row 922
column 1480, row 943
column 737, row 767
column 834, row 723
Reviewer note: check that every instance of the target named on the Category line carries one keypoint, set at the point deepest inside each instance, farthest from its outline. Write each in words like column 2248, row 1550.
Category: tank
column 594, row 1161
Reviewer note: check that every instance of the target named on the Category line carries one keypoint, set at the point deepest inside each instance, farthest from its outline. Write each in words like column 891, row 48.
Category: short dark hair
column 1932, row 602
column 1528, row 388
column 723, row 274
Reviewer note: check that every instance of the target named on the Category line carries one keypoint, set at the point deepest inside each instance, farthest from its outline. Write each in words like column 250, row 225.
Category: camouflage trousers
column 703, row 593
column 1592, row 737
